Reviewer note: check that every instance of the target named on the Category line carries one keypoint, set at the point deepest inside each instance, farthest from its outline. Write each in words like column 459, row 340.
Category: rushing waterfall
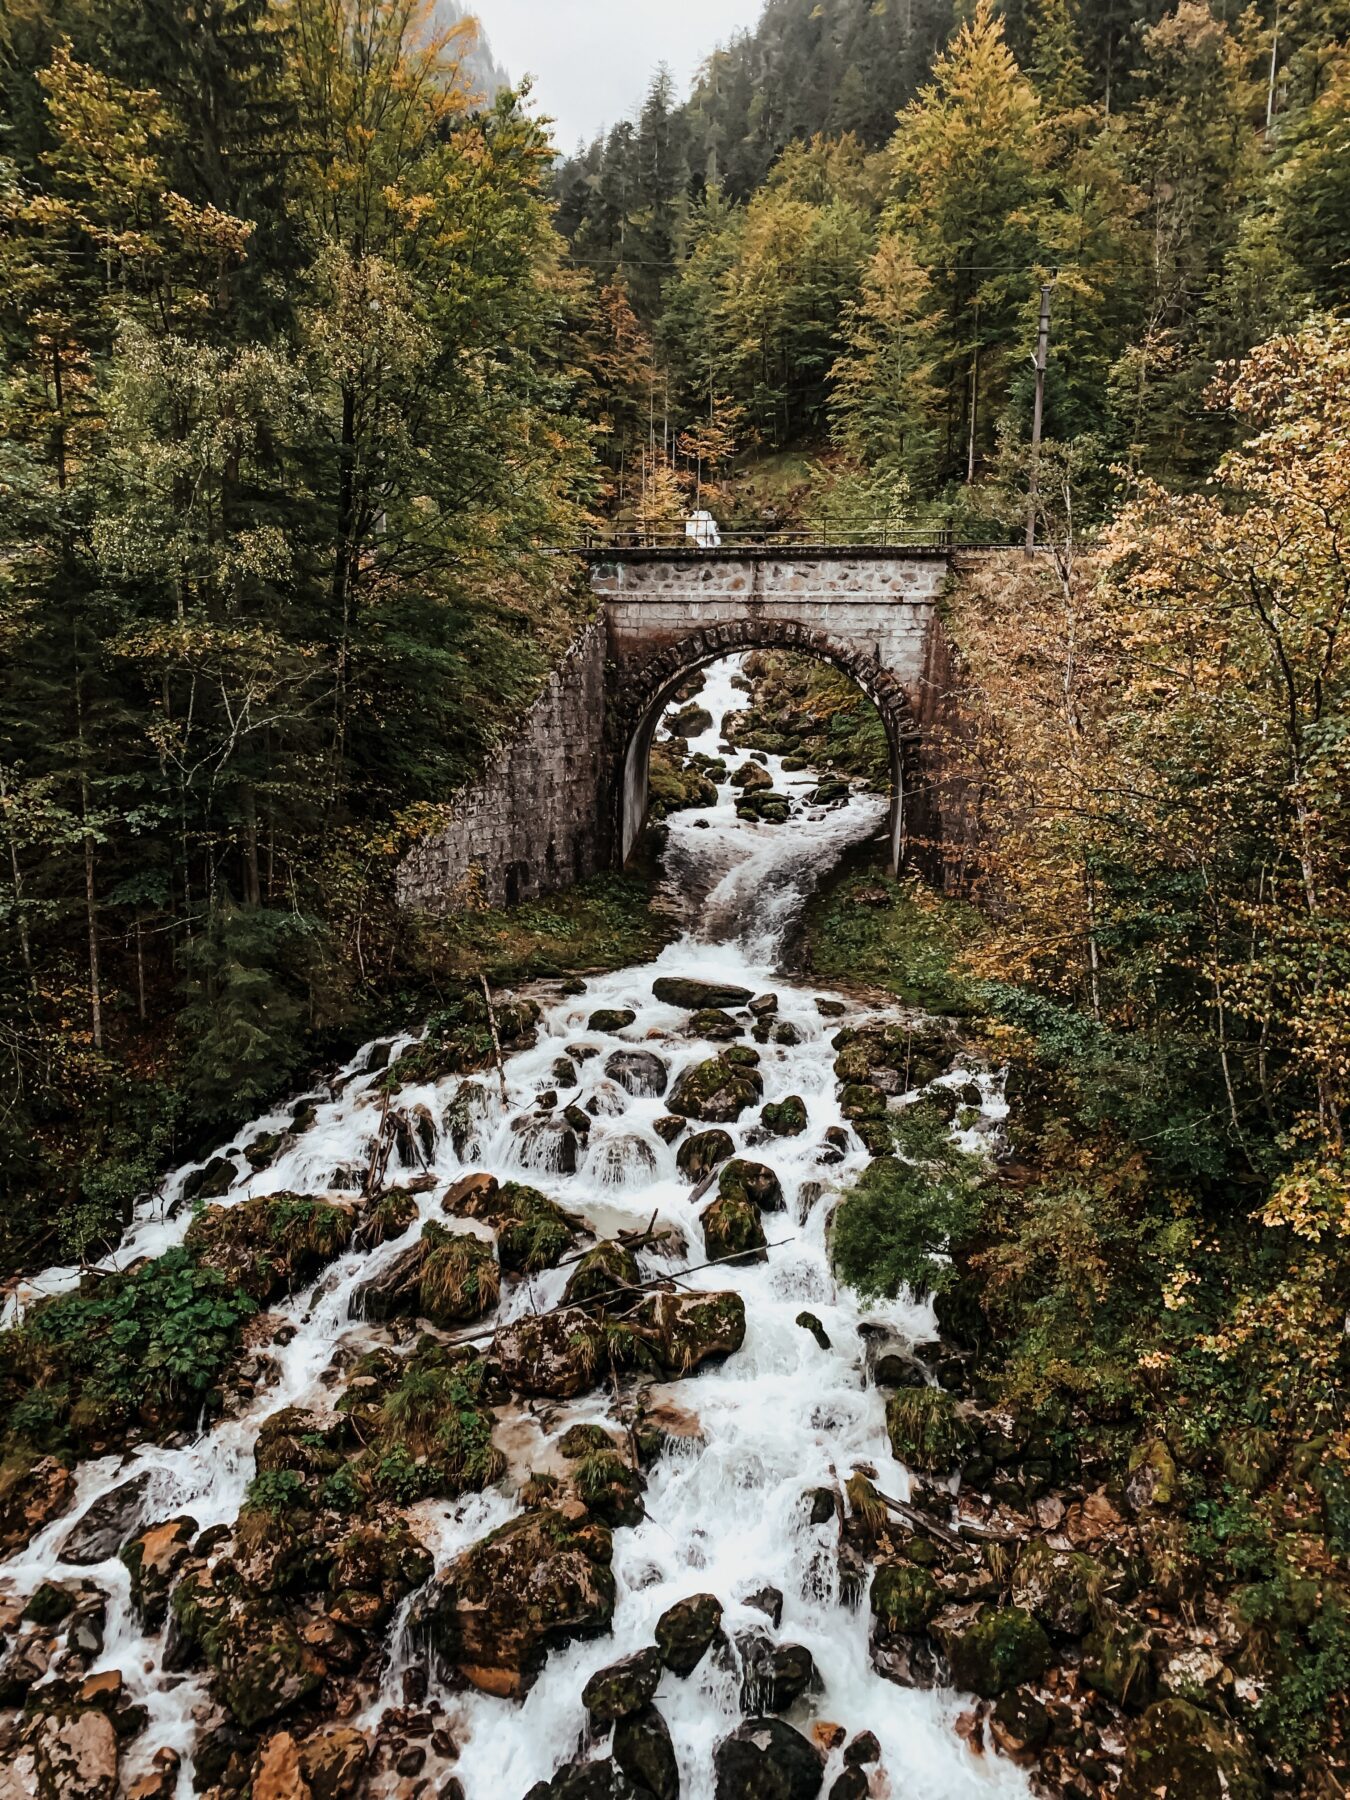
column 784, row 1414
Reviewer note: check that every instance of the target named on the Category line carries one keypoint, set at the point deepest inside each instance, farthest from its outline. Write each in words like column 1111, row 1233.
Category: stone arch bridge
column 568, row 795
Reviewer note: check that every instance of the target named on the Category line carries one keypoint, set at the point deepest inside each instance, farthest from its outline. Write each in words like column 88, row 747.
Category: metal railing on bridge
column 823, row 532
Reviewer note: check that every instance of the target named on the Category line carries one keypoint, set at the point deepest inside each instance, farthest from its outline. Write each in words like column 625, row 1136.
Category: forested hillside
column 781, row 267
column 283, row 423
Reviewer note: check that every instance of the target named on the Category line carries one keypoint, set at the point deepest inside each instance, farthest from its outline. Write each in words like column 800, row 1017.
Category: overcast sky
column 592, row 59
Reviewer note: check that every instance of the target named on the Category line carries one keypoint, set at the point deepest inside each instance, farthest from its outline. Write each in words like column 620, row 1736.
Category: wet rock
column 904, row 1598
column 48, row 1604
column 610, row 1019
column 834, row 1145
column 160, row 1782
column 154, row 1559
column 563, row 1353
column 1058, row 1586
column 821, row 1507
column 669, row 1128
column 862, row 1751
column 774, row 1676
column 643, row 1750
column 713, row 1023
column 809, row 1322
column 1019, row 1723
column 558, row 1354
column 217, row 1744
column 785, row 1118
column 751, row 1182
column 335, row 1763
column 765, row 1759
column 1178, row 1752
column 927, row 1430
column 700, row 1154
column 910, row 1662
column 448, row 1278
column 717, row 1091
column 262, row 1667
column 606, row 1270
column 990, row 1649
column 685, row 1631
column 106, row 1525
column 533, row 1232
column 684, row 991
column 764, row 1006
column 1194, row 1674
column 894, row 1370
column 623, row 1688
column 610, row 1488
column 850, row 1784
column 307, row 1441
column 75, row 1756
column 537, row 1582
column 213, row 1179
column 751, row 778
column 602, row 1780
column 272, row 1244
column 769, row 1601
column 734, row 1232
column 638, row 1072
column 33, row 1492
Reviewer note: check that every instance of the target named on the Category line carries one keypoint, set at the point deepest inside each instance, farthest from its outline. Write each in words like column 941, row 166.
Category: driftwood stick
column 920, row 1521
column 496, row 1042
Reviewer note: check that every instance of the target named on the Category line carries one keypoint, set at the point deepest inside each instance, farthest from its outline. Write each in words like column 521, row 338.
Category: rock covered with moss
column 272, row 1244
column 719, row 1089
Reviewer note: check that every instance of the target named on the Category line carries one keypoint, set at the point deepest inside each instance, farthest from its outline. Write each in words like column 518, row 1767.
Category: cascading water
column 724, row 1504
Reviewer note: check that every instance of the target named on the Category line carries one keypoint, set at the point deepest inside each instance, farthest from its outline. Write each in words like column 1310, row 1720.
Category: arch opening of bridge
column 566, row 797
column 643, row 710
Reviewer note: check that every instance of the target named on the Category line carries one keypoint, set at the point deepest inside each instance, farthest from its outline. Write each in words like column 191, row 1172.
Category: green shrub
column 891, row 1230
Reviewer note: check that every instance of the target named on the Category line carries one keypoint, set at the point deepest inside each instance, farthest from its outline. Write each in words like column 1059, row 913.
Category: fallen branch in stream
column 918, row 1521
column 627, row 1287
column 496, row 1043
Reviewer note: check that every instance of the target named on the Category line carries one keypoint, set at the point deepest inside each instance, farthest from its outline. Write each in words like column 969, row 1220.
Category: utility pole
column 1042, row 352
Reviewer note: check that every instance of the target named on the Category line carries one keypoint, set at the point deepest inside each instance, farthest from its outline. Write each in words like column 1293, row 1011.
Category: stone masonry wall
column 540, row 816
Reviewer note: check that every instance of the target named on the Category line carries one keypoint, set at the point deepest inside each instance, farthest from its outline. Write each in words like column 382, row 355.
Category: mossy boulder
column 610, row 1019
column 785, row 1118
column 1060, row 1587
column 686, row 992
column 447, row 1277
column 606, row 1270
column 533, row 1232
column 718, row 1090
column 609, row 1487
column 1117, row 1660
column 638, row 1072
column 539, row 1581
column 700, row 1154
column 623, row 1688
column 927, row 1430
column 262, row 1666
column 992, row 1648
column 301, row 1439
column 458, row 1041
column 918, row 1053
column 1178, row 1752
column 644, row 1751
column 904, row 1598
column 685, row 1632
column 859, row 1101
column 1151, row 1481
column 153, row 1559
column 751, row 778
column 752, row 1182
column 713, row 1023
column 766, row 1759
column 385, row 1218
column 733, row 1229
column 273, row 1244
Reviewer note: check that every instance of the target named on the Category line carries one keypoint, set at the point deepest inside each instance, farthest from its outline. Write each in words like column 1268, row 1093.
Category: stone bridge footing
column 567, row 796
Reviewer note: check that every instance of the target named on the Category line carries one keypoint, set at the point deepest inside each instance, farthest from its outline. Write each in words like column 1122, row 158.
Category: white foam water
column 724, row 1505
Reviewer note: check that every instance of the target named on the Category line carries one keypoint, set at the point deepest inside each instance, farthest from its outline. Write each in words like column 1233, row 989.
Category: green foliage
column 867, row 927
column 147, row 1345
column 277, row 1491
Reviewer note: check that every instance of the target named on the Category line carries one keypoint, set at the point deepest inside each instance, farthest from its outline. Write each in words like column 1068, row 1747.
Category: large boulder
column 1059, row 1586
column 700, row 1154
column 533, row 1232
column 904, row 1598
column 680, row 990
column 643, row 1750
column 752, row 1182
column 718, row 1090
column 638, row 1072
column 500, row 1607
column 107, row 1524
column 623, row 1688
column 75, row 1756
column 927, row 1429
column 154, row 1559
column 765, row 1759
column 774, row 1676
column 607, row 1271
column 733, row 1232
column 447, row 1277
column 685, row 1631
column 563, row 1353
column 1178, row 1752
column 33, row 1492
column 272, row 1244
column 785, row 1118
column 991, row 1648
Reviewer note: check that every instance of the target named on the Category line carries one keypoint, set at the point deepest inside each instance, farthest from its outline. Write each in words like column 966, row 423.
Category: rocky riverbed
column 543, row 1456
